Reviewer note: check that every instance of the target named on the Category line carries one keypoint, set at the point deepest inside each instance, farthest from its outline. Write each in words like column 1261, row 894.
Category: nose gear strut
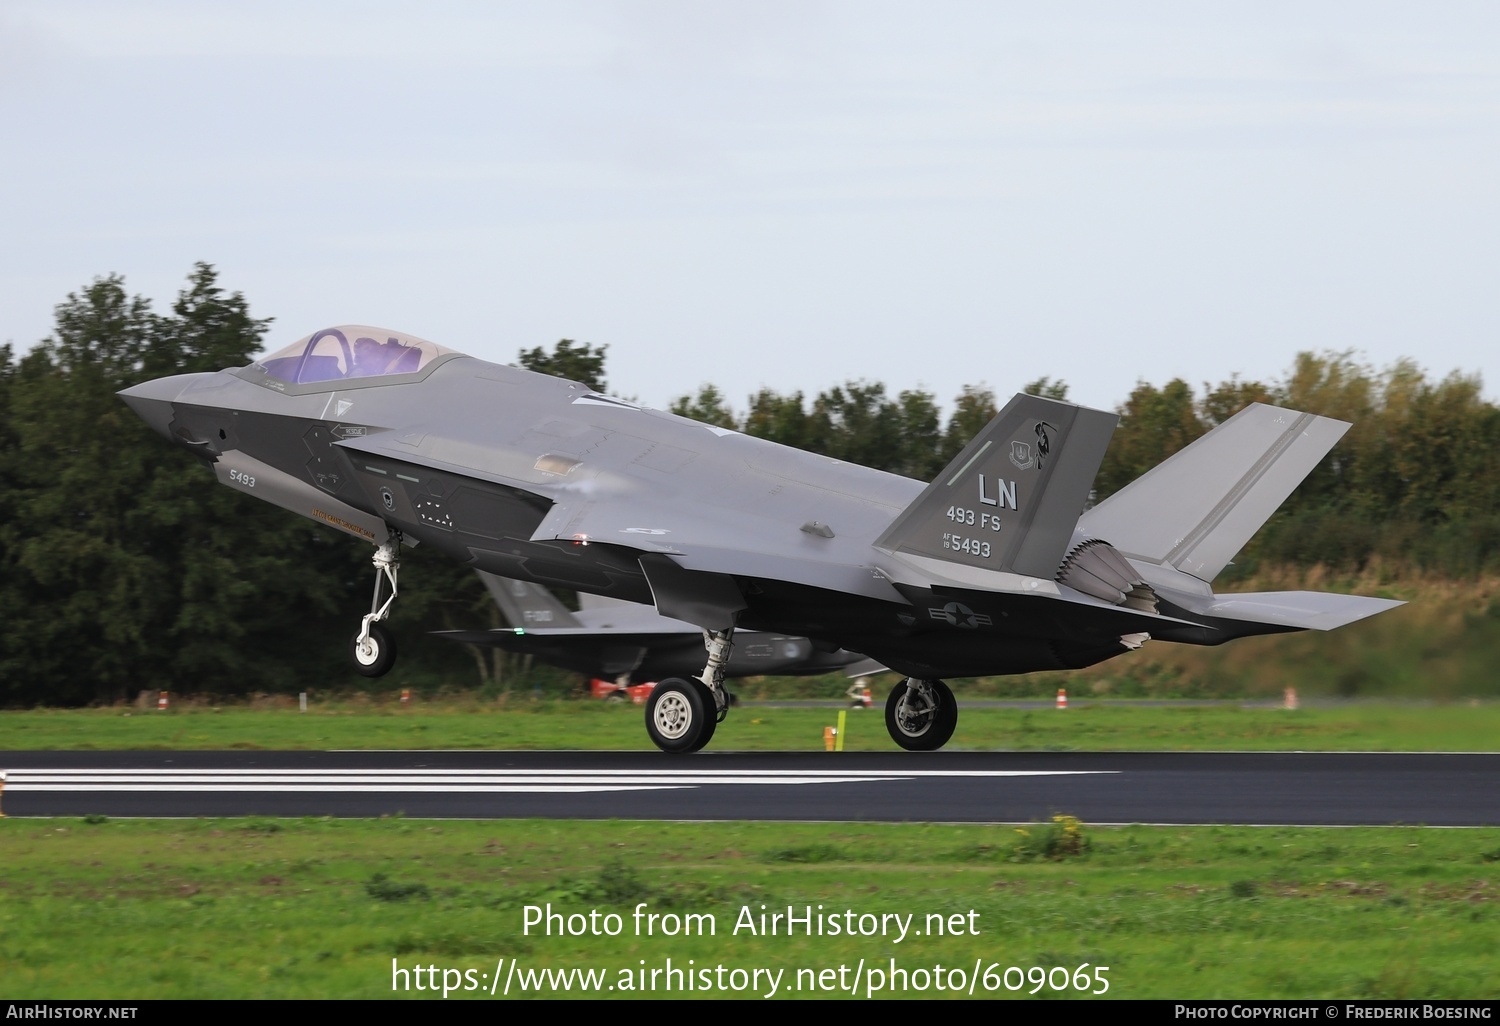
column 374, row 647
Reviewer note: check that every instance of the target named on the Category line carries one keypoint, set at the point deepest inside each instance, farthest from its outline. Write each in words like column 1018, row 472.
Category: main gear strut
column 719, row 645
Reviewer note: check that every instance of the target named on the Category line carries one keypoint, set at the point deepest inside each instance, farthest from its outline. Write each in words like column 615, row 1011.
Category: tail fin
column 1197, row 509
column 527, row 605
column 1011, row 499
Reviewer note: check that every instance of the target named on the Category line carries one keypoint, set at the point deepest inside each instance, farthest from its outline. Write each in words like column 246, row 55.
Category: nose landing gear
column 374, row 648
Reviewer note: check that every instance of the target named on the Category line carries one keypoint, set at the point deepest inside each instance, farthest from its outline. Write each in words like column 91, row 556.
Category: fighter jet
column 630, row 643
column 994, row 567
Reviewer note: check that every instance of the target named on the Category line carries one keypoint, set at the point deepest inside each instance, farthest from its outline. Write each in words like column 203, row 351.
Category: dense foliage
column 124, row 568
column 1415, row 482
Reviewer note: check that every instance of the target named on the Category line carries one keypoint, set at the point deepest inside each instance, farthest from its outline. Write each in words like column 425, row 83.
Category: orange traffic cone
column 1062, row 698
column 161, row 703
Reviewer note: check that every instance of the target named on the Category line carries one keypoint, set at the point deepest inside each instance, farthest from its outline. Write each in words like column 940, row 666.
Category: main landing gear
column 921, row 715
column 683, row 712
column 374, row 647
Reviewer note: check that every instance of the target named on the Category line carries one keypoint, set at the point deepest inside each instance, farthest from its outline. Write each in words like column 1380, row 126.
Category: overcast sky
column 782, row 194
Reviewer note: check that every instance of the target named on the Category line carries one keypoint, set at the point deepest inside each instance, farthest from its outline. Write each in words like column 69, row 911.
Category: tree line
column 123, row 566
column 1415, row 482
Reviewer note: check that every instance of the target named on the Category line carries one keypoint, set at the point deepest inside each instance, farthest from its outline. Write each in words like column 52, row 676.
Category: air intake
column 1097, row 569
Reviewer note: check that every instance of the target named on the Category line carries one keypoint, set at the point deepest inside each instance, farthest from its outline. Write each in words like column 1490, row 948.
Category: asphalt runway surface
column 1345, row 789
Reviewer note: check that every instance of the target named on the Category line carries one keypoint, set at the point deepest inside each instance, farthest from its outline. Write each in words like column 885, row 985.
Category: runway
column 1343, row 789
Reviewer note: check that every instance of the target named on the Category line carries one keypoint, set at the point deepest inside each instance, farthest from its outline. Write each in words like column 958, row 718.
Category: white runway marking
column 461, row 781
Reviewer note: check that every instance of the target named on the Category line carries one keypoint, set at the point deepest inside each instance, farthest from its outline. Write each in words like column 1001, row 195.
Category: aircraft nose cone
column 152, row 402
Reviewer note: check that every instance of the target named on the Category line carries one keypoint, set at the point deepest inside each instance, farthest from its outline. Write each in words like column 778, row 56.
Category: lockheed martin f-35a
column 995, row 567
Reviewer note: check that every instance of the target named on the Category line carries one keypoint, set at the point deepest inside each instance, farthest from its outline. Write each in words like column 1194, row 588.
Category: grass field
column 586, row 724
column 320, row 908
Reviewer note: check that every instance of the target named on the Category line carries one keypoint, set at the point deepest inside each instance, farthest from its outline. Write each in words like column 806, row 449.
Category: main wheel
column 377, row 655
column 921, row 723
column 680, row 715
column 712, row 715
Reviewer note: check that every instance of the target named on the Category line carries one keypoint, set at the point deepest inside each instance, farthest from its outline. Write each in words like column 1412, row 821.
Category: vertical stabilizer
column 525, row 604
column 1011, row 499
column 1197, row 509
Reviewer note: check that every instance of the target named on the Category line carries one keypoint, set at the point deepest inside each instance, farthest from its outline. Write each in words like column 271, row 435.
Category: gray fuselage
column 540, row 479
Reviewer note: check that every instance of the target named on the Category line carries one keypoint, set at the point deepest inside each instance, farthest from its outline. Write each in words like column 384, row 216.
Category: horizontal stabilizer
column 1309, row 610
column 1195, row 511
column 1011, row 499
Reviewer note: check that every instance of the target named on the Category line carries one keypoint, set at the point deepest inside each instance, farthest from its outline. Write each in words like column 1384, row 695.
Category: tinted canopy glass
column 348, row 352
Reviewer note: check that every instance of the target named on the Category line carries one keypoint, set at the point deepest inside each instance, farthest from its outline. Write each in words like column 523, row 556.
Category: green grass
column 586, row 724
column 319, row 908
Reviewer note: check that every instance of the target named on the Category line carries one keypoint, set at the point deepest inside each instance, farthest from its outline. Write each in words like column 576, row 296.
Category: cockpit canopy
column 348, row 352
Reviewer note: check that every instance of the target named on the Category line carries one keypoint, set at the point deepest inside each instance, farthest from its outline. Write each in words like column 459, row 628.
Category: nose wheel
column 375, row 654
column 374, row 648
